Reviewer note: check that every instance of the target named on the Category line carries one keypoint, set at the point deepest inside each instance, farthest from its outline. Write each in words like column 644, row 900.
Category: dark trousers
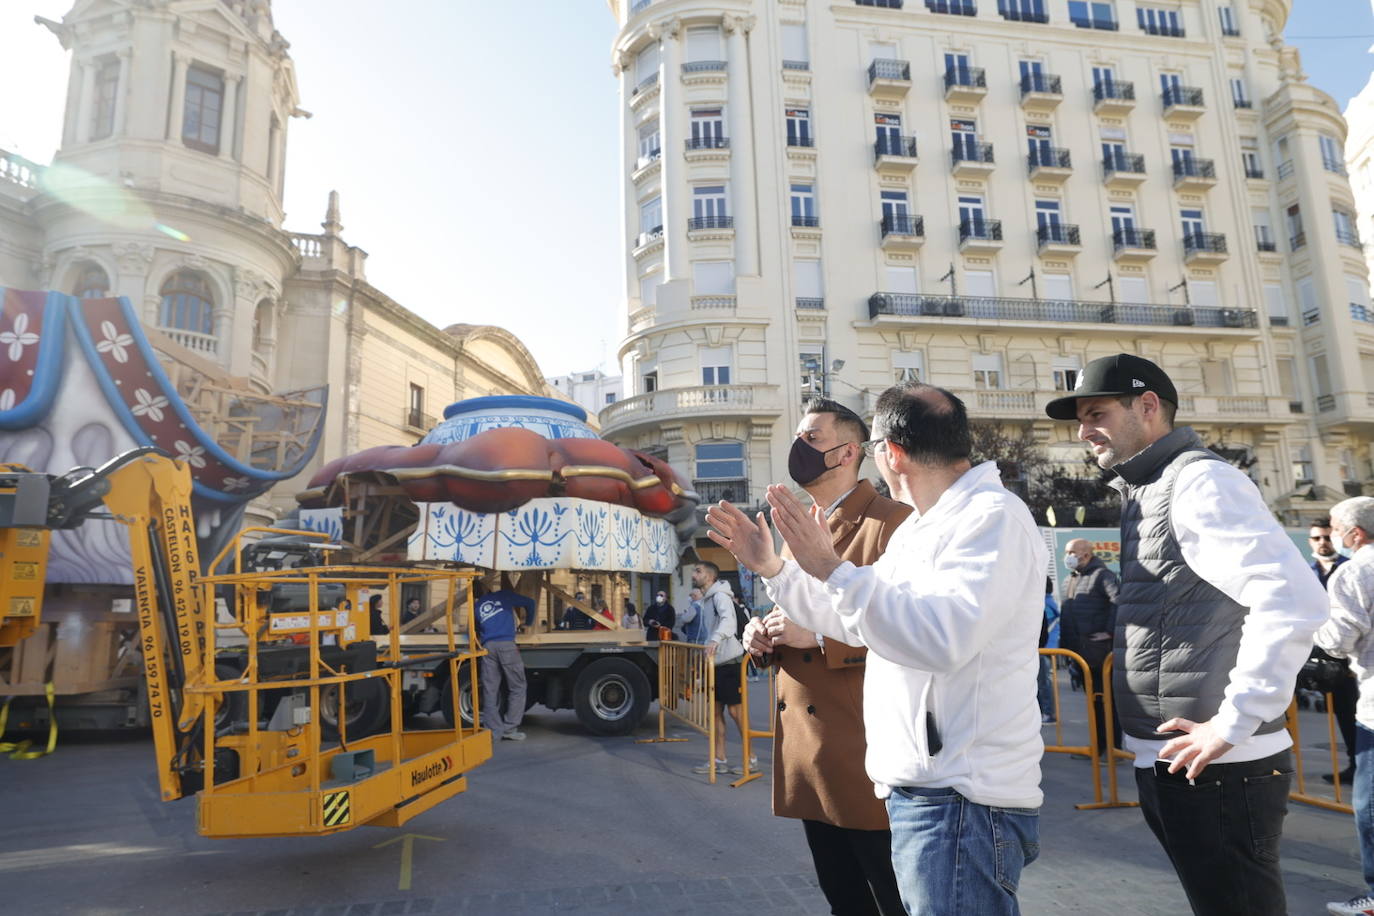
column 1343, row 700
column 1222, row 833
column 854, row 868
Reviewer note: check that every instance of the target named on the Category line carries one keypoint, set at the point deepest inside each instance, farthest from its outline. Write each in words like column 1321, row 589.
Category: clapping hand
column 748, row 540
column 805, row 532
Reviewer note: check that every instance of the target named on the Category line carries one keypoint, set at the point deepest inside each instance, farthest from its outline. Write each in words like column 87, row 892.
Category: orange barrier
column 748, row 732
column 1299, row 792
column 1113, row 752
column 1059, row 747
column 687, row 692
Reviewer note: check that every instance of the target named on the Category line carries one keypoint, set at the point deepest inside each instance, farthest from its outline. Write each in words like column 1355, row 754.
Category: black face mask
column 806, row 462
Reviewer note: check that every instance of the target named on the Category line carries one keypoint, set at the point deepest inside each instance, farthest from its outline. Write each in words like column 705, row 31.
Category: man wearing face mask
column 818, row 739
column 1088, row 615
column 658, row 614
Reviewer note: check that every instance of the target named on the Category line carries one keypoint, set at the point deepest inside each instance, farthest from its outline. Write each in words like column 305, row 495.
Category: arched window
column 92, row 283
column 187, row 303
column 262, row 324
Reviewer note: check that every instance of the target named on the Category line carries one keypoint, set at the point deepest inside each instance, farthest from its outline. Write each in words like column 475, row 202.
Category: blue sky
column 475, row 147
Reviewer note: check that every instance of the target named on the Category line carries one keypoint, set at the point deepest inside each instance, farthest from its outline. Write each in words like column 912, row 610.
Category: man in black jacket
column 1088, row 617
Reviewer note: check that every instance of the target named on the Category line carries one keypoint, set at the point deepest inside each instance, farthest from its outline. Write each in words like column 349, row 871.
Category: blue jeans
column 956, row 857
column 1364, row 800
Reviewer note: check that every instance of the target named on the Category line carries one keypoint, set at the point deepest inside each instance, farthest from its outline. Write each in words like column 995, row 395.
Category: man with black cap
column 1215, row 617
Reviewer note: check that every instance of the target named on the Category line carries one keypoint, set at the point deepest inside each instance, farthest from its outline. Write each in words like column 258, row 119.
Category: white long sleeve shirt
column 951, row 615
column 1350, row 631
column 1229, row 537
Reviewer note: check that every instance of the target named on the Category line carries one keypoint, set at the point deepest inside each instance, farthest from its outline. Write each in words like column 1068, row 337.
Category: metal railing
column 1252, row 171
column 647, row 83
column 904, row 147
column 1195, row 168
column 639, row 6
column 1311, row 317
column 1285, row 169
column 796, row 65
column 1181, row 95
column 984, row 230
column 1297, row 240
column 1230, row 31
column 1057, row 234
column 1207, row 242
column 1057, row 311
column 735, row 490
column 1242, row 103
column 1295, row 406
column 810, row 302
column 1114, row 91
column 966, row 77
column 971, row 152
column 1348, row 237
column 1016, row 14
column 417, row 419
column 806, row 142
column 1045, row 83
column 710, row 222
column 1125, row 163
column 703, row 66
column 953, row 7
column 902, row 224
column 1326, row 403
column 1163, row 28
column 810, row 222
column 687, row 692
column 887, row 69
column 1266, row 245
column 1105, row 24
column 1133, row 238
column 707, row 143
column 885, row 4
column 1333, row 165
column 652, row 156
column 1052, row 158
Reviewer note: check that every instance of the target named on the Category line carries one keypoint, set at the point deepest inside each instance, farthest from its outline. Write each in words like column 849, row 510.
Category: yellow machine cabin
column 254, row 677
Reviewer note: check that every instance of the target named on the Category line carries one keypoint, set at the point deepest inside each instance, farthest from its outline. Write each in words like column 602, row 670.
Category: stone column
column 178, row 112
column 741, row 146
column 624, row 70
column 83, row 107
column 672, row 123
column 122, row 92
column 228, row 118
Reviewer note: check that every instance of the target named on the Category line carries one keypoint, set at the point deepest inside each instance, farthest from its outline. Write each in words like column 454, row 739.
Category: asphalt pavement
column 562, row 822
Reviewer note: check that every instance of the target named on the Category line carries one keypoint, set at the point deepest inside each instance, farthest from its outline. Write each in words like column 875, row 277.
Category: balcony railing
column 885, row 69
column 1129, row 163
column 986, row 230
column 1181, row 95
column 1133, row 238
column 17, row 169
column 902, row 224
column 417, row 419
column 647, row 83
column 1266, row 245
column 1057, row 234
column 1285, row 169
column 1051, row 158
column 1242, row 103
column 810, row 222
column 1211, row 242
column 1194, row 168
column 1333, row 165
column 895, row 146
column 707, row 143
column 1297, row 240
column 1326, row 402
column 810, row 302
column 1230, row 31
column 1104, row 23
column 703, row 66
column 1114, row 91
column 711, row 222
column 1163, row 28
column 886, row 4
column 1254, row 171
column 1058, row 311
column 806, row 142
column 1348, row 237
column 193, row 340
column 1041, row 82
column 953, row 7
column 639, row 6
column 652, row 155
column 796, row 65
column 713, row 491
column 1014, row 13
column 971, row 152
column 309, row 246
column 968, row 77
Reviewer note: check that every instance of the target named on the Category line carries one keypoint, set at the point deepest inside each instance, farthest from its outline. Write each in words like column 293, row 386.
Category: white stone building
column 593, row 389
column 1359, row 160
column 832, row 196
column 167, row 188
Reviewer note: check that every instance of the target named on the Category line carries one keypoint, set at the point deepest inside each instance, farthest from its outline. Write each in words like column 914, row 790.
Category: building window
column 1228, row 21
column 963, row 134
column 1039, row 143
column 650, row 142
column 415, row 408
column 953, row 7
column 1023, row 10
column 807, row 283
column 972, row 217
column 648, row 290
column 651, row 218
column 1065, row 371
column 1332, row 159
column 1250, row 157
column 1092, row 15
column 646, row 67
column 1216, row 376
column 798, row 127
column 610, row 397
column 895, row 209
column 704, row 49
column 1240, row 98
column 813, row 381
column 794, row 49
column 958, row 70
column 708, row 129
column 987, row 370
column 648, row 382
column 720, row 461
column 1155, row 20
column 203, row 109
column 1345, row 227
column 1264, row 234
column 1193, row 227
column 713, row 278
column 907, row 366
column 1276, row 305
column 804, row 205
column 92, row 283
column 1048, row 227
column 103, row 107
column 715, row 365
column 187, row 303
column 1297, row 238
column 708, row 207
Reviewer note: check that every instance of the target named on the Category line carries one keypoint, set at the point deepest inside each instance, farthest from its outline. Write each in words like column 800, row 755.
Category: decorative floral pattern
column 19, row 338
column 194, row 455
column 8, row 399
column 148, row 405
column 115, row 343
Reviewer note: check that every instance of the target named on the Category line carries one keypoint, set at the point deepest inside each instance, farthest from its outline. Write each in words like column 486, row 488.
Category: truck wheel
column 611, row 696
column 368, row 708
column 464, row 699
column 233, row 707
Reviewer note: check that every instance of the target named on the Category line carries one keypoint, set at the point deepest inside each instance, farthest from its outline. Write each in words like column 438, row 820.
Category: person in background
column 630, row 619
column 1049, row 639
column 688, row 626
column 375, row 617
column 499, row 615
column 658, row 614
column 1088, row 618
column 412, row 610
column 1345, row 693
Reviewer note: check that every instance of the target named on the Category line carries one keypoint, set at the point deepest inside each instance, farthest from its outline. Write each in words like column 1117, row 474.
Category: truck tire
column 464, row 699
column 611, row 696
column 368, row 709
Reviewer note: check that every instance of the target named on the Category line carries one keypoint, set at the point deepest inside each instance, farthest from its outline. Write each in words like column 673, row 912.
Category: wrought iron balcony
column 1242, row 103
column 1333, row 165
column 648, row 236
column 1254, row 171
column 1133, row 238
column 1163, row 28
column 902, row 224
column 1057, row 234
column 1181, row 98
column 707, row 143
column 971, row 152
column 886, row 4
column 1104, row 23
column 1195, row 168
column 899, row 147
column 735, row 490
column 1052, row 158
column 418, row 419
column 639, row 6
column 1297, row 240
column 1042, row 83
column 703, row 66
column 1268, row 245
column 645, row 84
column 1113, row 92
column 811, row 222
column 968, row 78
column 953, row 7
column 710, row 222
column 1202, row 244
column 796, row 65
column 1230, row 31
column 1014, row 12
column 806, row 142
column 1057, row 311
column 810, row 302
column 1125, row 167
column 1348, row 237
column 888, row 69
column 985, row 230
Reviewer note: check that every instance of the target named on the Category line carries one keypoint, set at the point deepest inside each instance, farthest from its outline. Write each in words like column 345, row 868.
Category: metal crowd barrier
column 687, row 692
column 1092, row 691
column 1299, row 791
column 746, row 729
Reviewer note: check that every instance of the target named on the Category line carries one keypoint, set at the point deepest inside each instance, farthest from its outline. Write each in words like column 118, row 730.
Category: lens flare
column 96, row 197
column 172, row 233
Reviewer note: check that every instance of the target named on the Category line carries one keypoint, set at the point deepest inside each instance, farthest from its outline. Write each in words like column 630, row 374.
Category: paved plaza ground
column 561, row 823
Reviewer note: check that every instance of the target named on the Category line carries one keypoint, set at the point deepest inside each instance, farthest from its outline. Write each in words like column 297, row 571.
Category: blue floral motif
column 592, row 531
column 629, row 537
column 456, row 528
column 661, row 542
column 535, row 528
column 328, row 522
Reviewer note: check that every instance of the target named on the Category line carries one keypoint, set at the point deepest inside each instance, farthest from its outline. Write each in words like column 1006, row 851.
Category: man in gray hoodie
column 718, row 626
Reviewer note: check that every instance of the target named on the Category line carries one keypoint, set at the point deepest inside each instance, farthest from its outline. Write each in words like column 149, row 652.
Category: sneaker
column 753, row 767
column 1047, row 719
column 1355, row 906
column 704, row 769
column 513, row 735
column 1347, row 776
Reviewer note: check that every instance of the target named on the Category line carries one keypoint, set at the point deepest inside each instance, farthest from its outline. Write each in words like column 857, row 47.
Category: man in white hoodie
column 951, row 617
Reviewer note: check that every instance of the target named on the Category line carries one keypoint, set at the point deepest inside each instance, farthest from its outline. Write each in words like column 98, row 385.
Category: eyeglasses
column 1319, row 537
column 871, row 446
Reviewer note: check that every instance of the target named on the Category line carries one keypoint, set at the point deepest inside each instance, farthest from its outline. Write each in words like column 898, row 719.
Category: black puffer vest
column 1176, row 635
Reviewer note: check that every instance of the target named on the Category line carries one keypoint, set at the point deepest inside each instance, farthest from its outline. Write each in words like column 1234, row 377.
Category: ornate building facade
column 825, row 198
column 167, row 189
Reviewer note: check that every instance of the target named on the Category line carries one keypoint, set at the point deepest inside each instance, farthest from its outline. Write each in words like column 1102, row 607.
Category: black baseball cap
column 1114, row 376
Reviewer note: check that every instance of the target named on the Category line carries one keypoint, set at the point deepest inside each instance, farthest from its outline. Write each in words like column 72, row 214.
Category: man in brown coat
column 818, row 744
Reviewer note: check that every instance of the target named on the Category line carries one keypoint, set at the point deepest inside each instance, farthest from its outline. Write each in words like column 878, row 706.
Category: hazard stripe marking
column 336, row 809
